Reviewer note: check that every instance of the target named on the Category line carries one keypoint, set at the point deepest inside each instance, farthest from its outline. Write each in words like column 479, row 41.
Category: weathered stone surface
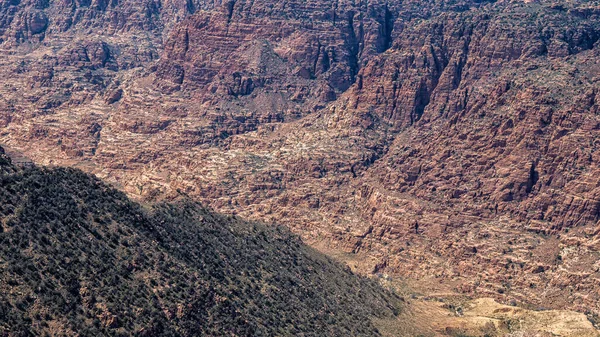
column 441, row 139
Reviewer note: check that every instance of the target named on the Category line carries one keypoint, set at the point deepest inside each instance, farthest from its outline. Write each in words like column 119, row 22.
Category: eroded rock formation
column 448, row 140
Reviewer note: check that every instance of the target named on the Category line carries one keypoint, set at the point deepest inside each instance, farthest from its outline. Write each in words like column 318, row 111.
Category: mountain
column 451, row 142
column 79, row 258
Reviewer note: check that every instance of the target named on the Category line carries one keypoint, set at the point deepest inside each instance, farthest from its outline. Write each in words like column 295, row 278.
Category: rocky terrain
column 450, row 142
column 79, row 258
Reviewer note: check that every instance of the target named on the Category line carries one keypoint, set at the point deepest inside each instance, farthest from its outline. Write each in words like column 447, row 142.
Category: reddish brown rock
column 442, row 140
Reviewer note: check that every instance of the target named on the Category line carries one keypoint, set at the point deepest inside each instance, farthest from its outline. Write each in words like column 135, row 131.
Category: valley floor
column 434, row 308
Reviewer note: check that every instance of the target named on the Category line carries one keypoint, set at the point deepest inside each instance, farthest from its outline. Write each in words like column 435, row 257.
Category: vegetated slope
column 77, row 257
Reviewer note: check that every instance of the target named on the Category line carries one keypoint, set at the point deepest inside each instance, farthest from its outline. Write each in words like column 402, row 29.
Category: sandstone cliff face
column 447, row 140
column 277, row 61
column 493, row 110
column 35, row 20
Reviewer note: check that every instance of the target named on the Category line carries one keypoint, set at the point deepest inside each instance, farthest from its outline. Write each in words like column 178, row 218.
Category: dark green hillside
column 5, row 163
column 77, row 257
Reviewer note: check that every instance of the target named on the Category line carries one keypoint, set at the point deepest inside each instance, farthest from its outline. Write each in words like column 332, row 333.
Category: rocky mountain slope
column 79, row 258
column 447, row 141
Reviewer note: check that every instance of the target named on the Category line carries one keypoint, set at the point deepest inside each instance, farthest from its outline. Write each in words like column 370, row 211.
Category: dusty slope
column 438, row 316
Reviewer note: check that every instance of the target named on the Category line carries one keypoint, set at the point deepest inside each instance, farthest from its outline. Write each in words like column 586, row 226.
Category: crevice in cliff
column 326, row 62
column 230, row 5
column 388, row 28
column 459, row 68
column 423, row 95
column 532, row 179
column 354, row 45
column 462, row 61
column 316, row 61
column 422, row 100
column 335, row 8
column 190, row 7
column 186, row 42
